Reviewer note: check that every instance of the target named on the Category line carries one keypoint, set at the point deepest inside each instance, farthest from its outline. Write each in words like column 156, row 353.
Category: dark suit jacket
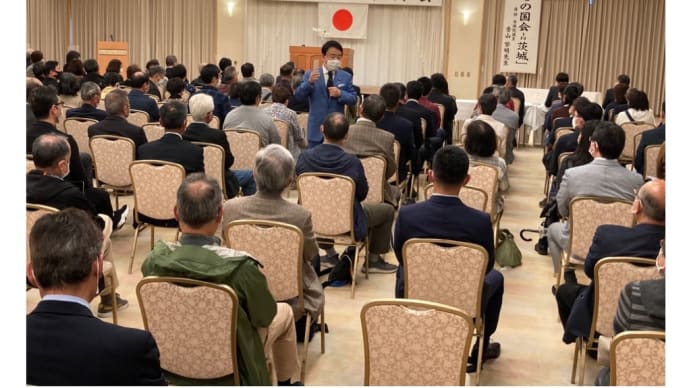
column 441, row 217
column 197, row 131
column 449, row 114
column 67, row 345
column 427, row 115
column 649, row 137
column 608, row 97
column 551, row 96
column 76, row 171
column 171, row 148
column 641, row 240
column 55, row 192
column 88, row 111
column 139, row 101
column 566, row 143
column 414, row 117
column 515, row 92
column 119, row 126
column 401, row 128
column 93, row 77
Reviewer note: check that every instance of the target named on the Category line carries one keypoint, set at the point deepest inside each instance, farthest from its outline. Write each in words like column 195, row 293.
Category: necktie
column 329, row 82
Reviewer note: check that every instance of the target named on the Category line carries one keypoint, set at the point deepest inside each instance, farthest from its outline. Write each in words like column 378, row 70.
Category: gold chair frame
column 102, row 182
column 651, row 338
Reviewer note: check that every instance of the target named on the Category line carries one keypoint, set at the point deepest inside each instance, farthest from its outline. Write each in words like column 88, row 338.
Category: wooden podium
column 304, row 57
column 109, row 50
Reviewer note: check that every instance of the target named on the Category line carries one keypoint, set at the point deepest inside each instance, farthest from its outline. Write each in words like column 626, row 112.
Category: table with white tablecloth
column 533, row 120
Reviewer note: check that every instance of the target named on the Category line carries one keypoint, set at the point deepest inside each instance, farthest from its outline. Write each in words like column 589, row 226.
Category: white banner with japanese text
column 520, row 36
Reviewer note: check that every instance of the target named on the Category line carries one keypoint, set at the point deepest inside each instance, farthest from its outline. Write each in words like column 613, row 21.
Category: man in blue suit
column 327, row 89
column 444, row 216
column 576, row 301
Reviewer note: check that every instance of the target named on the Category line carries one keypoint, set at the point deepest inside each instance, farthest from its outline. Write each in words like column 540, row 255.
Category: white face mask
column 333, row 64
column 98, row 277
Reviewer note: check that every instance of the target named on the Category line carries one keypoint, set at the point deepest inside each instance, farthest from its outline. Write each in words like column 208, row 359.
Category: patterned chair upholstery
column 638, row 358
column 155, row 185
column 279, row 247
column 414, row 342
column 153, row 131
column 244, row 145
column 138, row 117
column 60, row 125
column 632, row 129
column 330, row 199
column 485, row 177
column 450, row 273
column 303, row 119
column 79, row 129
column 112, row 156
column 396, row 155
column 194, row 324
column 283, row 130
column 611, row 275
column 375, row 172
column 651, row 154
column 214, row 163
column 470, row 196
column 215, row 122
column 586, row 214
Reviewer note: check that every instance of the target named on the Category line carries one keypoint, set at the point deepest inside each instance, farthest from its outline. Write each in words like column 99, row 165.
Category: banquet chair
column 153, row 131
column 138, row 117
column 403, row 335
column 214, row 163
column 112, row 156
column 279, row 248
column 471, row 196
column 638, row 358
column 451, row 273
column 78, row 128
column 375, row 172
column 244, row 144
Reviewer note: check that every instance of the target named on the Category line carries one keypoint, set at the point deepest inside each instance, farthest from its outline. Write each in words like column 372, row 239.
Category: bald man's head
column 652, row 197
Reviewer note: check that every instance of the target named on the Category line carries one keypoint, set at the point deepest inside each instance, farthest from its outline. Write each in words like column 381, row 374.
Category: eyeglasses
column 59, row 103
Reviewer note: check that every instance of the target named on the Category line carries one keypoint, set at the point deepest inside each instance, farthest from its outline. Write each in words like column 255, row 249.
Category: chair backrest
column 278, row 247
column 611, row 275
column 375, row 171
column 396, row 155
column 471, row 196
column 445, row 271
column 402, row 337
column 244, row 144
column 33, row 213
column 638, row 358
column 112, row 156
column 631, row 129
column 214, row 162
column 303, row 120
column 153, row 131
column 155, row 185
column 138, row 117
column 60, row 125
column 587, row 213
column 651, row 154
column 79, row 129
column 153, row 97
column 214, row 123
column 330, row 199
column 485, row 177
column 194, row 324
column 560, row 131
column 283, row 128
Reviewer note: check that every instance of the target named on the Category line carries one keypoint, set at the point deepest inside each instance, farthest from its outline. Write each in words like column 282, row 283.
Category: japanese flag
column 343, row 20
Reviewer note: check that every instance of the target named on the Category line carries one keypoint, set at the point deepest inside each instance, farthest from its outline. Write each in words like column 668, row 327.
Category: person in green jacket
column 265, row 328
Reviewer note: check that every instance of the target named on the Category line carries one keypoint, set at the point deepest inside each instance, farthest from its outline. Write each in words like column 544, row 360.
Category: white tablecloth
column 538, row 96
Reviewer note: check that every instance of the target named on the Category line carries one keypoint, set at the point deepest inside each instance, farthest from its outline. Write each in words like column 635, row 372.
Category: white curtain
column 403, row 42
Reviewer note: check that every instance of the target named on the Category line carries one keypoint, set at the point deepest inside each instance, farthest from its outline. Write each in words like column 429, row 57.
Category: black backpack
column 341, row 272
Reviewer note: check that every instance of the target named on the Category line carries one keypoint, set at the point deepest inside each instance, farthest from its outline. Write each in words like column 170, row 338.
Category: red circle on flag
column 342, row 19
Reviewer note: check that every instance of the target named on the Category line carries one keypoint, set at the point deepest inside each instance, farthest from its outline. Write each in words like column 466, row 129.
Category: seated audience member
column 210, row 75
column 130, row 71
column 661, row 162
column 111, row 81
column 229, row 77
column 480, row 144
column 249, row 116
column 570, row 93
column 400, row 127
column 284, row 77
column 412, row 116
column 223, row 63
column 617, row 104
column 374, row 220
column 180, row 71
column 579, row 157
column 170, row 62
column 278, row 110
column 446, row 217
column 511, row 85
column 90, row 98
column 157, row 81
column 439, row 94
column 234, row 95
column 641, row 306
column 44, row 186
column 247, row 70
column 115, row 123
column 610, row 95
column 425, row 102
column 266, row 82
column 31, row 84
column 651, row 137
column 265, row 329
column 65, row 344
column 172, row 147
column 487, row 106
column 175, row 90
column 114, row 66
column 604, row 176
column 509, row 118
column 638, row 108
column 576, row 301
column 201, row 108
column 274, row 170
column 92, row 74
column 51, row 71
column 433, row 136
column 138, row 100
column 298, row 106
column 36, row 56
column 364, row 139
column 556, row 90
column 68, row 90
column 75, row 67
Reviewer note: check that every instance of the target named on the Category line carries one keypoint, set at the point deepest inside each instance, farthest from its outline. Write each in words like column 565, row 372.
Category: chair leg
column 139, row 228
column 153, row 228
column 578, row 343
column 560, row 275
column 323, row 330
column 307, row 329
column 480, row 353
column 365, row 247
column 583, row 358
column 113, row 295
column 355, row 266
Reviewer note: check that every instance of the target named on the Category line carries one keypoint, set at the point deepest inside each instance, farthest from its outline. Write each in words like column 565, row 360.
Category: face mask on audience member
column 333, row 64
